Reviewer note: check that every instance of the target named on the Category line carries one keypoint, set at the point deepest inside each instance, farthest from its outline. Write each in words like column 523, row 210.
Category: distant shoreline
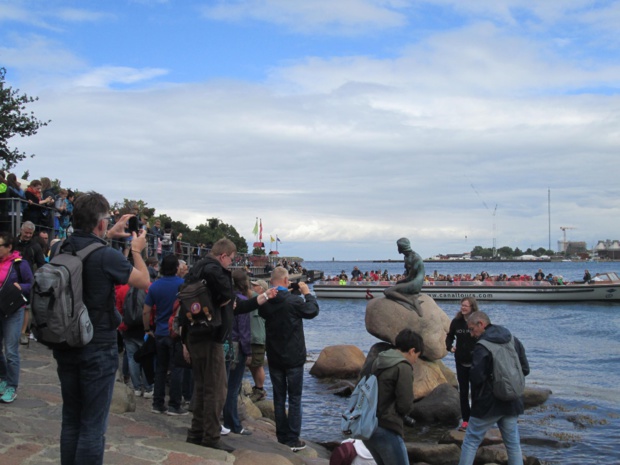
column 469, row 261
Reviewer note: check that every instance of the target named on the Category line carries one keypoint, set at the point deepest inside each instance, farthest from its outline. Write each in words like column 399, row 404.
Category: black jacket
column 484, row 403
column 464, row 341
column 284, row 328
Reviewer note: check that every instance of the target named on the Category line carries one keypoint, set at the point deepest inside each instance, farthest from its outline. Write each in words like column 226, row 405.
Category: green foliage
column 129, row 206
column 15, row 121
column 26, row 175
column 507, row 252
column 258, row 251
column 214, row 229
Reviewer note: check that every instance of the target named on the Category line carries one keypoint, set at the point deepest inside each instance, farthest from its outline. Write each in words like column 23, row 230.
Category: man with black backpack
column 497, row 374
column 87, row 373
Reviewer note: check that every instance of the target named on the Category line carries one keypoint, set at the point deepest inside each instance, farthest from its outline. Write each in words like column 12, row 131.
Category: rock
column 453, row 436
column 342, row 388
column 123, row 399
column 266, row 409
column 440, row 406
column 433, row 454
column 533, row 397
column 448, row 374
column 341, row 361
column 385, row 318
column 248, row 457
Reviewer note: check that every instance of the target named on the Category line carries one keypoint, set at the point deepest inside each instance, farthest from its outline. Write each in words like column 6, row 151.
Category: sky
column 341, row 125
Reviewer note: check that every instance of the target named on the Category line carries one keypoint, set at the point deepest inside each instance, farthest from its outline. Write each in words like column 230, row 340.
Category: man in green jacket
column 394, row 371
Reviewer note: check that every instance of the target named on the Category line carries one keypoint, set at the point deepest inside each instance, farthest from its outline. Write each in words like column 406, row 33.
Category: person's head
column 410, row 344
column 279, row 277
column 169, row 265
column 91, row 213
column 403, row 245
column 152, row 262
column 183, row 269
column 241, row 282
column 468, row 306
column 224, row 252
column 63, row 193
column 70, row 195
column 158, row 223
column 26, row 231
column 6, row 245
column 259, row 285
column 46, row 183
column 477, row 324
column 44, row 237
column 12, row 181
column 35, row 184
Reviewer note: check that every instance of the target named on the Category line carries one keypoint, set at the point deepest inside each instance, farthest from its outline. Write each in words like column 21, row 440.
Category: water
column 573, row 350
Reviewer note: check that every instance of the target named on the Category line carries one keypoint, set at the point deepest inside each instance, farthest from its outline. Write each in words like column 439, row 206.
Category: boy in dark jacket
column 394, row 371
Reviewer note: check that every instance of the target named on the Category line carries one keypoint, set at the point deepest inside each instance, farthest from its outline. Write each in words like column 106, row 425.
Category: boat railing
column 430, row 284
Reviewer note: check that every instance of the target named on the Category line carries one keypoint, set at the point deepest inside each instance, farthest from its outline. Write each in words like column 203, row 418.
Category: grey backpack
column 508, row 378
column 60, row 318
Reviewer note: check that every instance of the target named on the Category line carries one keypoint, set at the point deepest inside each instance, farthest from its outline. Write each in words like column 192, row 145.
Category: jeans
column 462, row 375
column 387, row 447
column 87, row 381
column 235, row 378
column 165, row 347
column 10, row 330
column 287, row 381
column 138, row 377
column 477, row 428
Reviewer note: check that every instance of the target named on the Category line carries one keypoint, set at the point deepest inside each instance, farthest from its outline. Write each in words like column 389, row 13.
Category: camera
column 294, row 287
column 132, row 224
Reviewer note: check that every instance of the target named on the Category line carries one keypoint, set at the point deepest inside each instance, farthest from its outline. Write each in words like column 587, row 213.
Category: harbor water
column 573, row 350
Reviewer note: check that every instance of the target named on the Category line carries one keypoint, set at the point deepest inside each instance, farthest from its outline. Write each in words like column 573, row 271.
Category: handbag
column 11, row 298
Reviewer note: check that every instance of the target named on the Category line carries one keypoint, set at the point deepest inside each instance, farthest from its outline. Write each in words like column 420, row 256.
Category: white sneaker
column 148, row 394
column 224, row 431
column 137, row 393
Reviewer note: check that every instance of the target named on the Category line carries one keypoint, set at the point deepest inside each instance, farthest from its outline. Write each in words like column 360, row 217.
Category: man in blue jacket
column 286, row 353
column 487, row 409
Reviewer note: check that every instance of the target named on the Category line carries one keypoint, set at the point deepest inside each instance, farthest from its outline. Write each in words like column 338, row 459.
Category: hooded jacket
column 464, row 341
column 284, row 327
column 484, row 403
column 395, row 380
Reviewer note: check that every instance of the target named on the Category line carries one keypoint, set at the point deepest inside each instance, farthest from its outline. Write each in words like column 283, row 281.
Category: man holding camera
column 286, row 352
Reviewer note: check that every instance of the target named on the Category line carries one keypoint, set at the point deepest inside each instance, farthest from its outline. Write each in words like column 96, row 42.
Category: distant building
column 576, row 248
column 609, row 249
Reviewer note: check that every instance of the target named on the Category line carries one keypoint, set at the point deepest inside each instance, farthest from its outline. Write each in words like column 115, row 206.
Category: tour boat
column 604, row 287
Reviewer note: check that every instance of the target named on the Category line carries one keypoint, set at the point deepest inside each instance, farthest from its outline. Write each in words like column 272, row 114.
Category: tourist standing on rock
column 87, row 373
column 487, row 409
column 286, row 353
column 207, row 351
column 257, row 330
column 462, row 353
column 394, row 371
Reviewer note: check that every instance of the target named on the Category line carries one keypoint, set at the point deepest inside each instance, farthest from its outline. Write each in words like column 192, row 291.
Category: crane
column 564, row 242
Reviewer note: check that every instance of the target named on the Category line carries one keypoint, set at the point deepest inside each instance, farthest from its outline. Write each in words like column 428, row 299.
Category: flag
column 272, row 239
column 277, row 238
column 260, row 236
column 255, row 230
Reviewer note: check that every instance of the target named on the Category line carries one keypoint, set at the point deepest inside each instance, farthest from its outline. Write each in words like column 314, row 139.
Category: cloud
column 110, row 75
column 344, row 16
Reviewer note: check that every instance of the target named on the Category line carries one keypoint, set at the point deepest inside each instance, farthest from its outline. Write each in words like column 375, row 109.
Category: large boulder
column 341, row 361
column 440, row 406
column 385, row 318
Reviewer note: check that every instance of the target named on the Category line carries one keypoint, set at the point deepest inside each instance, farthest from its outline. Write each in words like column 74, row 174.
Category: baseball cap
column 260, row 282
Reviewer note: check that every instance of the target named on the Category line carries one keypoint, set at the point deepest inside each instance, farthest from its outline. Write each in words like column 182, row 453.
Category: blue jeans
column 235, row 378
column 138, row 378
column 165, row 347
column 10, row 330
column 287, row 381
column 462, row 375
column 87, row 381
column 477, row 428
column 387, row 447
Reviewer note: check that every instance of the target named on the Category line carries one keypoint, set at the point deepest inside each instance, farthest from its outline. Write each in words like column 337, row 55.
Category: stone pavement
column 30, row 428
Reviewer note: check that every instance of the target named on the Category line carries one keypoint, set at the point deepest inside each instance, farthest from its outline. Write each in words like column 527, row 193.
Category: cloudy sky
column 342, row 124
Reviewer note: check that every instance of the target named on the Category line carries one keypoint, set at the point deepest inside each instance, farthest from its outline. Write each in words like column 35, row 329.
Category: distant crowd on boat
column 460, row 279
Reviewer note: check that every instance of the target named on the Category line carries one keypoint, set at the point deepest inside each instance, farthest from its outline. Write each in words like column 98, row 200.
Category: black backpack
column 133, row 306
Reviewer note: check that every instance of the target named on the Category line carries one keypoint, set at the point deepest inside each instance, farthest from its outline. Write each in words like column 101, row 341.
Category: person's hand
column 118, row 230
column 453, row 349
column 138, row 241
column 186, row 355
column 303, row 287
column 271, row 292
column 18, row 286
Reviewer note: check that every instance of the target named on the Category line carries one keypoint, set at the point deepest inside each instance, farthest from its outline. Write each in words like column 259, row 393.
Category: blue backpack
column 359, row 420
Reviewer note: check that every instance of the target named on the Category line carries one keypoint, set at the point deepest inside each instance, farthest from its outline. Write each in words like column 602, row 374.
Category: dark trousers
column 209, row 370
column 165, row 347
column 462, row 376
column 87, row 381
column 287, row 381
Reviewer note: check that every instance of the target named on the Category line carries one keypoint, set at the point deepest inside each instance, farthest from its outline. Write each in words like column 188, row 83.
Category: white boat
column 605, row 287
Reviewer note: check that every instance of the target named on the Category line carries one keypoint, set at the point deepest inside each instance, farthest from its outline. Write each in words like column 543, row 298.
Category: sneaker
column 137, row 392
column 148, row 394
column 298, row 445
column 463, row 426
column 218, row 445
column 224, row 431
column 23, row 339
column 9, row 395
column 245, row 432
column 31, row 337
column 159, row 410
column 257, row 394
column 2, row 387
column 177, row 411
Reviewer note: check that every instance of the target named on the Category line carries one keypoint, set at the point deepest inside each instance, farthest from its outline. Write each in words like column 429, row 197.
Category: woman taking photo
column 15, row 278
column 462, row 353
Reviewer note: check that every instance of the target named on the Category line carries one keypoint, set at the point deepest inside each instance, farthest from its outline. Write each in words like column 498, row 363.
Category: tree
column 214, row 229
column 15, row 120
